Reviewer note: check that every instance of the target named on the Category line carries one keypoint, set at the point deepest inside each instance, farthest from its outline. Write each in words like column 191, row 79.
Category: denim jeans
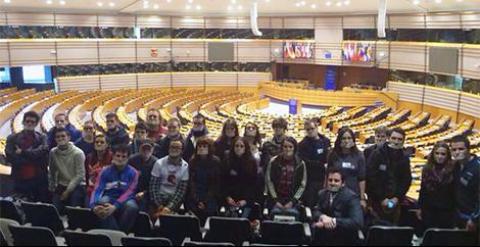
column 123, row 218
column 76, row 199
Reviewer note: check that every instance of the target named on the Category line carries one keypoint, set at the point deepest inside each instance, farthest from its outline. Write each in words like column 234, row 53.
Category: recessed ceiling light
column 190, row 1
column 99, row 4
column 155, row 6
column 198, row 7
column 168, row 1
column 303, row 3
column 459, row 1
column 297, row 4
column 339, row 4
column 233, row 1
column 267, row 1
column 347, row 2
column 438, row 1
column 239, row 7
column 111, row 4
column 7, row 1
column 416, row 2
column 230, row 8
column 313, row 6
column 187, row 7
column 49, row 1
column 328, row 3
column 62, row 2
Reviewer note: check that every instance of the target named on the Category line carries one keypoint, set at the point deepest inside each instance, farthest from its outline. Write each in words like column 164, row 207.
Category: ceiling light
column 187, row 7
column 297, row 4
column 99, row 4
column 168, row 1
column 111, row 4
column 198, row 7
column 7, row 1
column 239, row 7
column 267, row 1
column 328, row 3
column 49, row 1
column 459, row 1
column 438, row 1
column 416, row 2
column 190, row 1
column 347, row 2
column 234, row 1
column 62, row 2
column 230, row 8
column 155, row 6
column 339, row 4
column 313, row 6
column 303, row 3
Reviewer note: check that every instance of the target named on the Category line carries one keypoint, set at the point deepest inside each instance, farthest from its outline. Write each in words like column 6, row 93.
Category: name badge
column 347, row 165
column 382, row 167
column 320, row 151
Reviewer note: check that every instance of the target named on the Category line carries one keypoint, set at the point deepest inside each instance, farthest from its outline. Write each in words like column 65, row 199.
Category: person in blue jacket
column 113, row 199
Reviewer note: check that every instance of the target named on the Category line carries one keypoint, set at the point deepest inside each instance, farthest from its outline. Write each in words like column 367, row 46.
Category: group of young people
column 160, row 171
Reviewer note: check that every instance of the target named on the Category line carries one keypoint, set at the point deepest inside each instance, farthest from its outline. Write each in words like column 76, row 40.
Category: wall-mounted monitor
column 357, row 52
column 221, row 52
column 298, row 50
column 37, row 74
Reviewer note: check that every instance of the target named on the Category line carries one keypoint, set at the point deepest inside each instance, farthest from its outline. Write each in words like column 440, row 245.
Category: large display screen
column 297, row 50
column 357, row 52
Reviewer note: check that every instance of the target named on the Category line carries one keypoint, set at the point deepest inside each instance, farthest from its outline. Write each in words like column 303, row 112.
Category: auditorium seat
column 115, row 236
column 169, row 225
column 233, row 230
column 137, row 241
column 449, row 237
column 8, row 210
column 389, row 236
column 143, row 225
column 33, row 236
column 44, row 215
column 75, row 238
column 5, row 230
column 285, row 233
column 81, row 218
column 188, row 242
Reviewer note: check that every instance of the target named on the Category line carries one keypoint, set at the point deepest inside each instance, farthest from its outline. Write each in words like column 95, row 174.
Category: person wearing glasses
column 27, row 152
column 204, row 183
column 224, row 142
column 86, row 142
column 313, row 149
column 198, row 130
column 96, row 161
column 169, row 181
column 156, row 128
column 61, row 121
column 113, row 199
column 239, row 176
column 66, row 173
column 173, row 133
column 116, row 134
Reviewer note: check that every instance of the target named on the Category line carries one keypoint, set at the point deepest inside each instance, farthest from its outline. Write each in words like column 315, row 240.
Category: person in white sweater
column 66, row 174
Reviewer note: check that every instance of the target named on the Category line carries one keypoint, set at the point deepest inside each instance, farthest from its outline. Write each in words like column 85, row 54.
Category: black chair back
column 73, row 238
column 178, row 227
column 233, row 230
column 284, row 233
column 32, row 236
column 143, row 225
column 449, row 237
column 8, row 210
column 136, row 241
column 194, row 243
column 81, row 218
column 43, row 214
column 390, row 236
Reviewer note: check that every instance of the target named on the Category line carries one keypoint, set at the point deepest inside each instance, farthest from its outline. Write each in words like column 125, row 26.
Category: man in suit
column 338, row 215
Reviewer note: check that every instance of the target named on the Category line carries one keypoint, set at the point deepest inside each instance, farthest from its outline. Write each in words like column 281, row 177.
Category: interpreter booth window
column 37, row 74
